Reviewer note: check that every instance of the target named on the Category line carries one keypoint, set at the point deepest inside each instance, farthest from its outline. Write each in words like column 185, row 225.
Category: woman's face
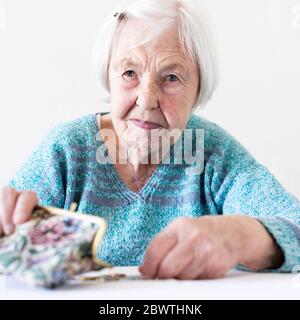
column 153, row 83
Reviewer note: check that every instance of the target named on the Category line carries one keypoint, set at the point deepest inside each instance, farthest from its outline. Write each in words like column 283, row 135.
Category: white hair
column 194, row 31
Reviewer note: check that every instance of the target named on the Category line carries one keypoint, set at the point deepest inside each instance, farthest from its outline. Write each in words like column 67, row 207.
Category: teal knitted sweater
column 63, row 169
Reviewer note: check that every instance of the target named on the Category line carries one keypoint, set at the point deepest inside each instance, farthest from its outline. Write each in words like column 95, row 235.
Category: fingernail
column 8, row 229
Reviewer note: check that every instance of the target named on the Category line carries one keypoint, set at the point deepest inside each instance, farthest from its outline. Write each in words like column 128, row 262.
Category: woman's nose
column 148, row 94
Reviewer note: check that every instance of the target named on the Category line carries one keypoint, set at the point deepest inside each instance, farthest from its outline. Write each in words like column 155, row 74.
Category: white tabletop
column 235, row 285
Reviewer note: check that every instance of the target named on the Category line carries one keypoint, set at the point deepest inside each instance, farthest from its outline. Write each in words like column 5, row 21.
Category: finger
column 157, row 249
column 198, row 265
column 193, row 270
column 27, row 200
column 210, row 269
column 1, row 230
column 8, row 198
column 175, row 261
column 216, row 267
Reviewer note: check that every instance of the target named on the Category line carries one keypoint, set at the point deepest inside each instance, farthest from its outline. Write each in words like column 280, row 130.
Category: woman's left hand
column 207, row 247
column 193, row 248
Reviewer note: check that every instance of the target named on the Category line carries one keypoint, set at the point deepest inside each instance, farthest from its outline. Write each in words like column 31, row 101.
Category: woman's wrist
column 258, row 249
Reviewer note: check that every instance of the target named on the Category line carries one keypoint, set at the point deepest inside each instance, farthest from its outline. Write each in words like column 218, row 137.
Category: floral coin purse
column 54, row 246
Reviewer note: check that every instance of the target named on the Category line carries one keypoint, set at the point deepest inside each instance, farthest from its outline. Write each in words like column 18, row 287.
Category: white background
column 46, row 76
column 236, row 285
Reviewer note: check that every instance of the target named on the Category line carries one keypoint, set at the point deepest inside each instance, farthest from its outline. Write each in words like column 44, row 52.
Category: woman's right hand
column 15, row 208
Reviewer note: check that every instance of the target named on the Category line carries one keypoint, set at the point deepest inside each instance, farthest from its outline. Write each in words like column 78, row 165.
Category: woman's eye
column 129, row 73
column 172, row 77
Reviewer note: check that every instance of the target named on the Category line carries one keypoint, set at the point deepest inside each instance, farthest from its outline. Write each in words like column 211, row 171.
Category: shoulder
column 212, row 131
column 220, row 146
column 79, row 131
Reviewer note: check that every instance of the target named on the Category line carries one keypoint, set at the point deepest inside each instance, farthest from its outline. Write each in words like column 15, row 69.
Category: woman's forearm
column 259, row 249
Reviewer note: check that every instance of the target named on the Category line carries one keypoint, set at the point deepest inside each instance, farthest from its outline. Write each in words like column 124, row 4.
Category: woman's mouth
column 146, row 124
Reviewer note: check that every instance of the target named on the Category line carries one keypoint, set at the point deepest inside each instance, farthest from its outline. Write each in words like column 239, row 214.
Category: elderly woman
column 176, row 219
